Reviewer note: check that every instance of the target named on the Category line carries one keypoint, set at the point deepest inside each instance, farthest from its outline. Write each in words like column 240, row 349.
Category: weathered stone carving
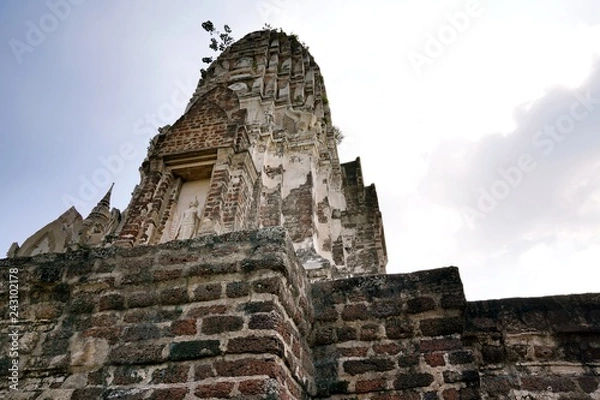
column 189, row 221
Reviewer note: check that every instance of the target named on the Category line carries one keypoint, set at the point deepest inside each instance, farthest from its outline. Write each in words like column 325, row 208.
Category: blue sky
column 441, row 100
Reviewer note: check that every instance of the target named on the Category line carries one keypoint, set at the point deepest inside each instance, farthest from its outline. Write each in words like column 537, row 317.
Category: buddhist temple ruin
column 250, row 264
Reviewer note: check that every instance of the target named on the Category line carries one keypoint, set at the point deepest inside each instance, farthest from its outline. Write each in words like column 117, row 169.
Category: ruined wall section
column 192, row 149
column 234, row 316
column 362, row 241
column 537, row 348
column 392, row 337
column 216, row 317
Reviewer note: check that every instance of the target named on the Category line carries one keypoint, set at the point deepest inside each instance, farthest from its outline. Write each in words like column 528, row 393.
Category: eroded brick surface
column 536, row 348
column 249, row 323
column 147, row 340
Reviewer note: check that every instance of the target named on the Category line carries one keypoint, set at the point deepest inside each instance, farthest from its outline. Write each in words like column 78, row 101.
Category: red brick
column 356, row 367
column 111, row 334
column 184, row 327
column 220, row 324
column 371, row 332
column 353, row 351
column 420, row 304
column 194, row 349
column 441, row 326
column 135, row 353
column 172, row 296
column 237, row 289
column 203, row 371
column 128, row 375
column 256, row 344
column 403, row 395
column 219, row 389
column 398, row 329
column 372, row 385
column 203, row 311
column 247, row 367
column 252, row 387
column 388, row 348
column 355, row 312
column 435, row 359
column 104, row 320
column 171, row 259
column 542, row 383
column 113, row 301
column 415, row 380
column 497, row 385
column 141, row 332
column 268, row 285
column 208, row 292
column 269, row 321
column 169, row 394
column 440, row 345
column 173, row 373
column 450, row 394
column 460, row 357
column 166, row 274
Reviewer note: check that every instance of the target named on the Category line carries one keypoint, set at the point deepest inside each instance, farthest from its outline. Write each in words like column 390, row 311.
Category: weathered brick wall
column 363, row 238
column 539, row 348
column 210, row 123
column 234, row 316
column 239, row 200
column 215, row 317
column 392, row 337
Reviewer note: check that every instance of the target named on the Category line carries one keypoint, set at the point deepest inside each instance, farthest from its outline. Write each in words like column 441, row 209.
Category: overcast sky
column 477, row 120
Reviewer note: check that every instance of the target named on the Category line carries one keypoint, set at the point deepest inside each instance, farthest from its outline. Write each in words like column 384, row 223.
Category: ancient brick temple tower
column 256, row 148
column 250, row 264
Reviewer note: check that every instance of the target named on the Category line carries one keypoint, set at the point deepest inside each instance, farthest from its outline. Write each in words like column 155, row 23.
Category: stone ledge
column 577, row 313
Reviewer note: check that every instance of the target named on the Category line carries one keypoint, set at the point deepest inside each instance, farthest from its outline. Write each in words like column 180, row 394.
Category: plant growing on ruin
column 219, row 41
column 338, row 135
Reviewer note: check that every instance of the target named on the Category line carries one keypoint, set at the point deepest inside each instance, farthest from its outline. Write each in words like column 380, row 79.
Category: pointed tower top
column 106, row 198
column 103, row 206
